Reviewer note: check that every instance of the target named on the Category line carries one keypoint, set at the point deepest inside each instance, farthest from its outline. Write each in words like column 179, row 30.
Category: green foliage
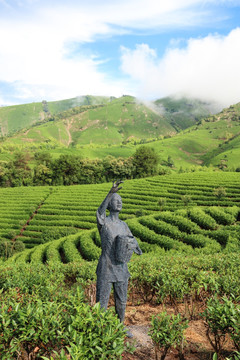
column 49, row 234
column 202, row 219
column 222, row 317
column 69, row 249
column 145, row 160
column 220, row 192
column 87, row 247
column 160, row 277
column 42, row 214
column 221, row 216
column 98, row 127
column 8, row 248
column 190, row 255
column 118, row 168
column 170, row 162
column 186, row 199
column 167, row 331
column 235, row 356
column 150, row 236
column 161, row 202
column 40, row 314
column 69, row 169
column 183, row 112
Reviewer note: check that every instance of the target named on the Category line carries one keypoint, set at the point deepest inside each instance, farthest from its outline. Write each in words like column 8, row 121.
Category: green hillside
column 184, row 112
column 118, row 126
column 214, row 140
column 165, row 116
column 18, row 117
column 226, row 127
column 119, row 120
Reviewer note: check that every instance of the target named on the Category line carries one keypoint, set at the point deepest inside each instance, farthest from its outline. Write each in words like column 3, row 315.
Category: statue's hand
column 136, row 247
column 115, row 186
column 138, row 251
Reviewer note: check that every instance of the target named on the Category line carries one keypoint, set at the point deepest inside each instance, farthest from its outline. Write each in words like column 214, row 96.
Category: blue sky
column 55, row 50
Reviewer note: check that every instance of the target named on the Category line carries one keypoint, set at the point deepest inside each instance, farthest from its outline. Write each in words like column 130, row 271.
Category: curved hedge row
column 68, row 210
column 187, row 230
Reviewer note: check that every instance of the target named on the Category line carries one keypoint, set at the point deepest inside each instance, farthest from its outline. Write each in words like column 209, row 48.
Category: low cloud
column 206, row 68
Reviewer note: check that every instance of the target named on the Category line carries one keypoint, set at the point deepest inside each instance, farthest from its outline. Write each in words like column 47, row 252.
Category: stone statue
column 117, row 244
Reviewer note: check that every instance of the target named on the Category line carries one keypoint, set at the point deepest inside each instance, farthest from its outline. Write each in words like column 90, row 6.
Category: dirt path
column 30, row 218
column 68, row 128
column 26, row 132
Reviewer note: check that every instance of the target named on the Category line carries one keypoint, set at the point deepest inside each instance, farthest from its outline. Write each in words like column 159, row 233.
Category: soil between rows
column 197, row 346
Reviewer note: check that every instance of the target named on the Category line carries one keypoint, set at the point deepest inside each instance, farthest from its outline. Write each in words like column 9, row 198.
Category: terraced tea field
column 181, row 212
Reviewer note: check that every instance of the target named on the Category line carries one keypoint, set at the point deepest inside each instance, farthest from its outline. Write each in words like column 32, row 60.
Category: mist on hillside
column 184, row 106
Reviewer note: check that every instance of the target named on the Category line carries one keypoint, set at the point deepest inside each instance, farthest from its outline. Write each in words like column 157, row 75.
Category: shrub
column 220, row 216
column 47, row 318
column 222, row 317
column 186, row 199
column 220, row 192
column 204, row 220
column 8, row 248
column 166, row 331
column 161, row 202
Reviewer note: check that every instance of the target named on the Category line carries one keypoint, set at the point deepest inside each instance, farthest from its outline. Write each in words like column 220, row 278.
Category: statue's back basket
column 123, row 251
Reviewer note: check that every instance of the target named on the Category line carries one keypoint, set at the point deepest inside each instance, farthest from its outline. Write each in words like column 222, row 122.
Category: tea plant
column 167, row 331
column 222, row 317
column 40, row 316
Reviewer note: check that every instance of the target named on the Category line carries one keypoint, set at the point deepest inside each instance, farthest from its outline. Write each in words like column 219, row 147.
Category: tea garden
column 188, row 226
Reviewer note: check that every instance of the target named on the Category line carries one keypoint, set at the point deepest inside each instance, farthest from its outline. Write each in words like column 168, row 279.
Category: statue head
column 115, row 203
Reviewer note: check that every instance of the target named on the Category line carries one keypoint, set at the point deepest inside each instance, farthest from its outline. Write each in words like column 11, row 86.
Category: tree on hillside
column 66, row 170
column 21, row 173
column 170, row 162
column 42, row 175
column 4, row 174
column 91, row 171
column 146, row 161
column 118, row 168
column 43, row 157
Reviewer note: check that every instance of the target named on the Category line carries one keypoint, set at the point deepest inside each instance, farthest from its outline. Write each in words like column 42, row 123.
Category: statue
column 118, row 245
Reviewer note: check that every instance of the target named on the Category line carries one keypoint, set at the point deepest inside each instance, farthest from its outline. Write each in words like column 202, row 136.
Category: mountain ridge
column 116, row 126
column 163, row 121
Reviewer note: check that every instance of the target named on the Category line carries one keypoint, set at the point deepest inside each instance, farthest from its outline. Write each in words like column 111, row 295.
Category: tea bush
column 222, row 317
column 39, row 312
column 167, row 331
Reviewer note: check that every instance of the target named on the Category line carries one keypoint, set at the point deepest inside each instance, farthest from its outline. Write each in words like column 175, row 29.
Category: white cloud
column 207, row 68
column 34, row 55
column 34, row 44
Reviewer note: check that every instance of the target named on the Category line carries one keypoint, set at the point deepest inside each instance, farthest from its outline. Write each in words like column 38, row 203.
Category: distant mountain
column 113, row 126
column 226, row 129
column 100, row 121
column 95, row 119
column 214, row 140
column 184, row 112
column 18, row 117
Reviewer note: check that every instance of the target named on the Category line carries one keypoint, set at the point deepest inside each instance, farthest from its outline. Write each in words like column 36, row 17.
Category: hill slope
column 184, row 112
column 110, row 123
column 120, row 124
column 18, row 117
column 165, row 116
column 214, row 140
